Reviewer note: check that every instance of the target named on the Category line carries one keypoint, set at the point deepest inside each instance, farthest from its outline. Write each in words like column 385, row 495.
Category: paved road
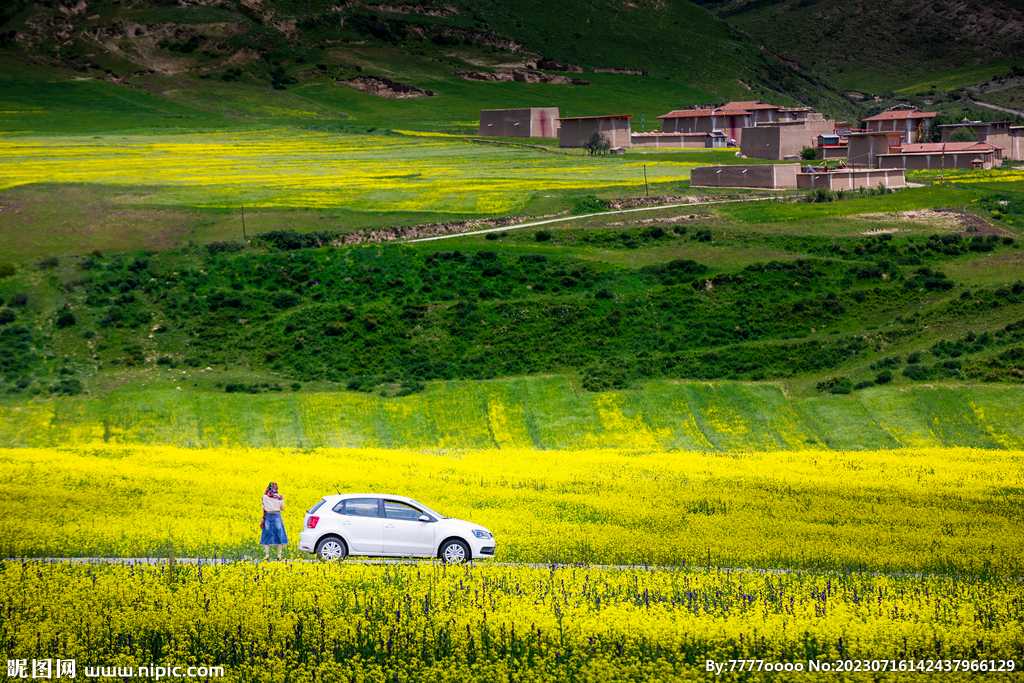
column 588, row 215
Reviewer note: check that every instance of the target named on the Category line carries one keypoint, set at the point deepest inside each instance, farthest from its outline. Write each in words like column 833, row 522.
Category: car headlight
column 480, row 533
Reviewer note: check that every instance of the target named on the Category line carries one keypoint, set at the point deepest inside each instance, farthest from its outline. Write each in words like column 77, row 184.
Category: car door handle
column 389, row 526
column 346, row 523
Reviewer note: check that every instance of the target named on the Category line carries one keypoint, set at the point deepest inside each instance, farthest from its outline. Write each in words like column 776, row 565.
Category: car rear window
column 357, row 507
column 316, row 507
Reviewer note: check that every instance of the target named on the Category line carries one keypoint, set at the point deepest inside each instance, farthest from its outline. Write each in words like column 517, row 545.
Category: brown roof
column 687, row 113
column 901, row 114
column 732, row 112
column 949, row 147
column 753, row 104
column 607, row 116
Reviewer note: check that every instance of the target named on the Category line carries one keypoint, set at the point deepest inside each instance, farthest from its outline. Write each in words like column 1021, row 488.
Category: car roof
column 344, row 496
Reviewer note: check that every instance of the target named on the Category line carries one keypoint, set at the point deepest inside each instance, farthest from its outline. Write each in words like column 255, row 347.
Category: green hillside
column 872, row 47
column 298, row 60
column 534, row 413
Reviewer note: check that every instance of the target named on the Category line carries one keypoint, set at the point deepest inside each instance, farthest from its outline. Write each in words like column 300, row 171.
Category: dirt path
column 587, row 215
column 1017, row 112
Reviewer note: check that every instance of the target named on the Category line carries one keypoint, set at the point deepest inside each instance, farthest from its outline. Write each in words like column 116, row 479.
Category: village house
column 941, row 155
column 864, row 147
column 671, row 140
column 730, row 119
column 910, row 122
column 784, row 139
column 537, row 122
column 996, row 132
column 574, row 130
column 1015, row 150
column 832, row 146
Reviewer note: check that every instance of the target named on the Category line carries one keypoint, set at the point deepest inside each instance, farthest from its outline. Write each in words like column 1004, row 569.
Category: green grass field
column 544, row 413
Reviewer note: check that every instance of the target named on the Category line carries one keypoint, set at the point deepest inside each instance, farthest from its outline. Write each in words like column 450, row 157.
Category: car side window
column 395, row 510
column 357, row 507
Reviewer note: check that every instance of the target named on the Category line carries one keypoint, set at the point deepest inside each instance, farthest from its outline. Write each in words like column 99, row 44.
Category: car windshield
column 427, row 510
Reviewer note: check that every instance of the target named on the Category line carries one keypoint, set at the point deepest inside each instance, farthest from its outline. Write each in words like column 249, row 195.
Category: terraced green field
column 544, row 413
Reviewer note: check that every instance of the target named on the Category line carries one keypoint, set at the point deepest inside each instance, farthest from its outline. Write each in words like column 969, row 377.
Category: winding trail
column 587, row 215
column 1018, row 112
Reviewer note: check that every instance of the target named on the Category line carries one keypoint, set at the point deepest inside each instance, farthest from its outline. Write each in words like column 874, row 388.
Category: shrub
column 809, row 153
column 49, row 262
column 364, row 383
column 284, row 300
column 19, row 299
column 65, row 319
column 7, row 316
column 6, row 270
column 884, row 377
column 835, row 385
column 590, row 204
column 863, row 385
column 224, row 247
column 603, row 294
column 963, row 134
column 542, row 235
column 67, row 387
column 916, row 372
column 597, row 143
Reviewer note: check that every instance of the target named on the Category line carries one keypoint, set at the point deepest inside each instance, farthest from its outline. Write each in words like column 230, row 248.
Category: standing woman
column 273, row 527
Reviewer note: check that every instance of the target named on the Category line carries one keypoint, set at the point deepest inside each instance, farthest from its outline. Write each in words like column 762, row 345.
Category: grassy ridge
column 545, row 413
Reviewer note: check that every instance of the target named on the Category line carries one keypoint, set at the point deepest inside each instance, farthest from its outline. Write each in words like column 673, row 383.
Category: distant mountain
column 874, row 45
column 168, row 44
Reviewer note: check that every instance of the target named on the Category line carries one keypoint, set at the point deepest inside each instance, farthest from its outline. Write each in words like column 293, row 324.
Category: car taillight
column 311, row 522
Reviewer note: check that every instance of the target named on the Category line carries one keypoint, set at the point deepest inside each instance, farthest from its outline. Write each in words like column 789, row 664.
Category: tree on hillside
column 963, row 134
column 597, row 143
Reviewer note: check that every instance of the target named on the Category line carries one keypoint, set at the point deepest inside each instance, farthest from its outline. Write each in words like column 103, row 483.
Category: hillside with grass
column 874, row 47
column 403, row 64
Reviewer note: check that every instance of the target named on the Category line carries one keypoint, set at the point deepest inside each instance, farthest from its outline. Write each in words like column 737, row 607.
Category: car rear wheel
column 455, row 552
column 331, row 548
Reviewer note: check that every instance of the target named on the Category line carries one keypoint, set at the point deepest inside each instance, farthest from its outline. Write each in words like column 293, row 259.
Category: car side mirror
column 424, row 518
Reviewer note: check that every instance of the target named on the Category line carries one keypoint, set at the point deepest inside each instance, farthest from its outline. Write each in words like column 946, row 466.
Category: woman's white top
column 272, row 504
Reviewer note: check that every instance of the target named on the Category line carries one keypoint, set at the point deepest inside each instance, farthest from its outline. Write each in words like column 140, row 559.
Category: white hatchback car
column 379, row 525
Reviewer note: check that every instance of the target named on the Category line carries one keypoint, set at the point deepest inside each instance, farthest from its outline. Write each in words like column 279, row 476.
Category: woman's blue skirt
column 273, row 530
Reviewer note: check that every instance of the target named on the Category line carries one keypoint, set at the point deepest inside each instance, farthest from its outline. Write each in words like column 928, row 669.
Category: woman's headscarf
column 271, row 492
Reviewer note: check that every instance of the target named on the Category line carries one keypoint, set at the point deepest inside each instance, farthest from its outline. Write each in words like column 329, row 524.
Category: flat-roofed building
column 536, row 122
column 910, row 122
column 730, row 119
column 996, row 132
column 832, row 146
column 1016, row 148
column 671, row 140
column 784, row 139
column 940, row 155
column 574, row 130
column 864, row 147
column 762, row 176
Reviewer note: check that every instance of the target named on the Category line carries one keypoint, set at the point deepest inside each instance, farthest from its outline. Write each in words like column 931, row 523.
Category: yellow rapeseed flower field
column 927, row 509
column 288, row 168
column 307, row 622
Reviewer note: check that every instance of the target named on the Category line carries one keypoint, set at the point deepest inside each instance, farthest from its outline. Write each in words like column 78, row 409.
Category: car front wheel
column 455, row 552
column 331, row 548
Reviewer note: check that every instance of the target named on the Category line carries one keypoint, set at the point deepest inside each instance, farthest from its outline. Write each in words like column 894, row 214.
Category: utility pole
column 243, row 222
column 647, row 189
